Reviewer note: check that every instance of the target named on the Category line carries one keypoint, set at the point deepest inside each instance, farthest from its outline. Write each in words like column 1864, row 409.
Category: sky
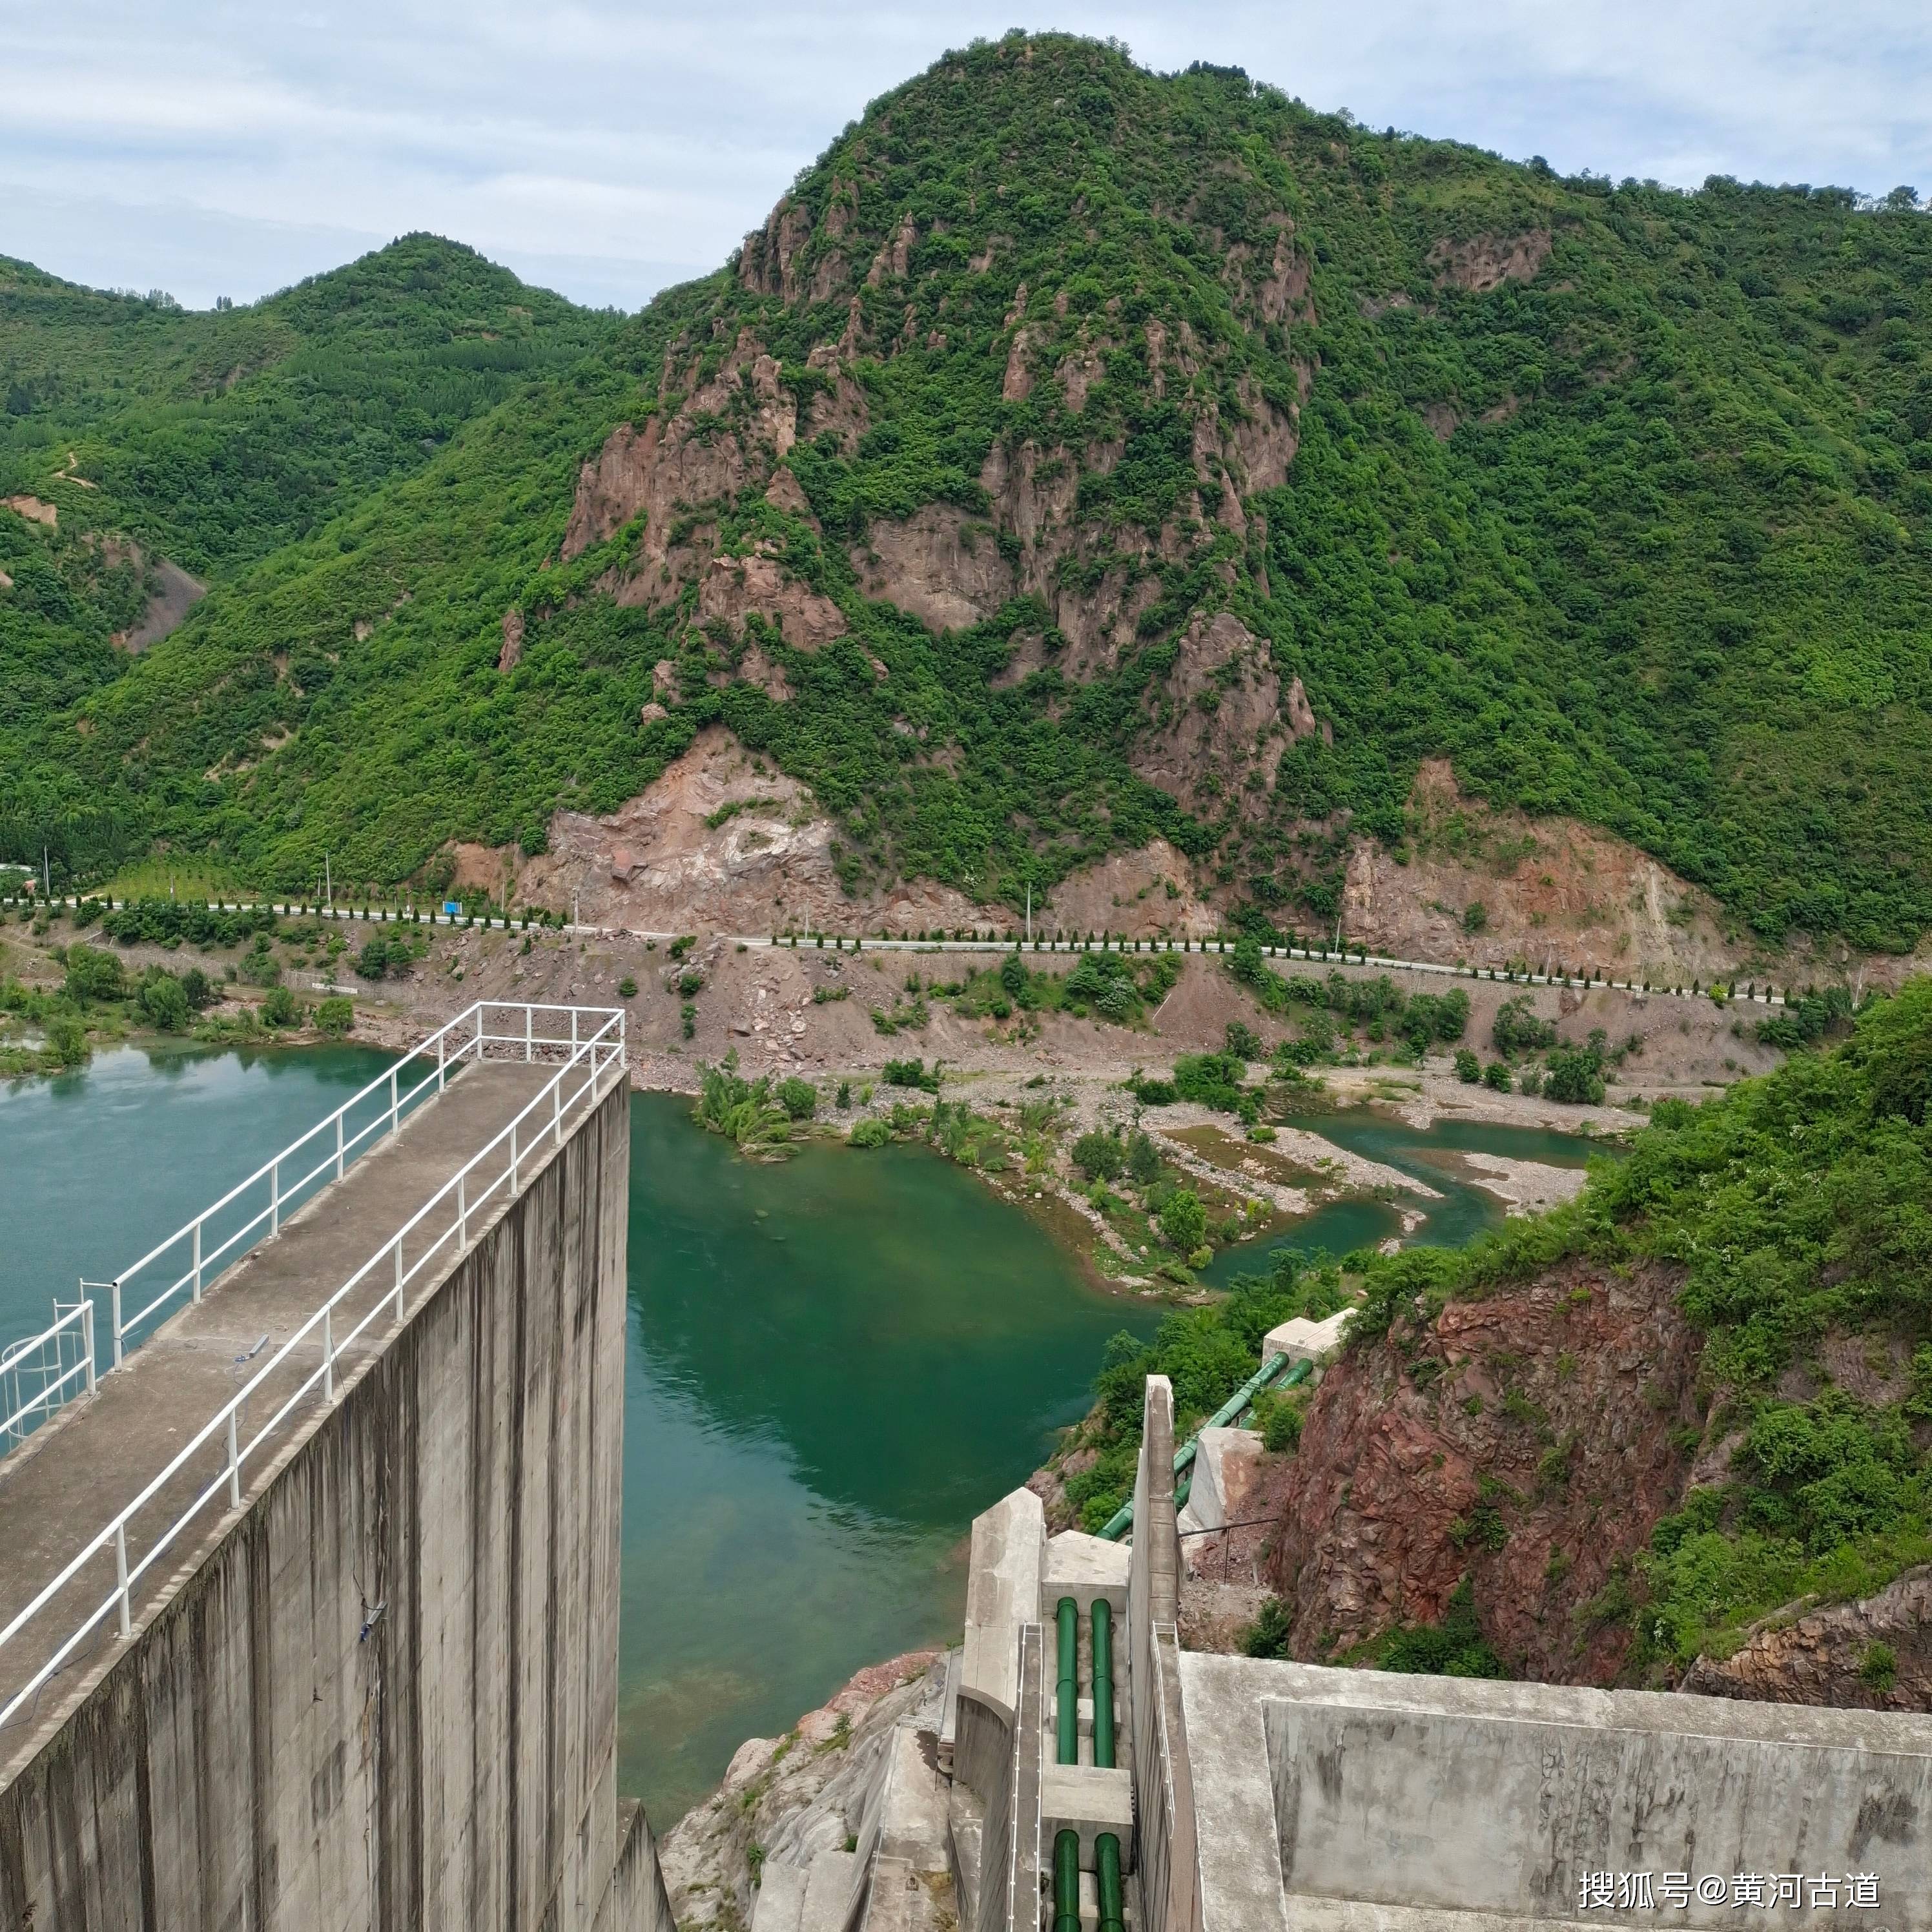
column 228, row 147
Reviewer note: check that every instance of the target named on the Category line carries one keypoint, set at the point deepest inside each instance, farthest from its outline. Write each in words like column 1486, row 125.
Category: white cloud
column 213, row 147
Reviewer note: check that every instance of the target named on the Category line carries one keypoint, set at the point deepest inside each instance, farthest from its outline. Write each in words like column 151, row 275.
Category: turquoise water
column 1430, row 1154
column 837, row 1363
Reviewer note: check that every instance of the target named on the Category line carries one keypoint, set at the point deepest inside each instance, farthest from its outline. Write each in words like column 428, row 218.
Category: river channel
column 834, row 1363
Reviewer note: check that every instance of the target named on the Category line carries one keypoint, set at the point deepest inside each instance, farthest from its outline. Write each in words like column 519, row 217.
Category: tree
column 164, row 1002
column 1013, row 974
column 1183, row 1221
column 67, row 1040
column 279, row 1009
column 336, row 1016
column 1099, row 1156
column 1575, row 1075
column 373, row 961
column 94, row 976
column 1242, row 1042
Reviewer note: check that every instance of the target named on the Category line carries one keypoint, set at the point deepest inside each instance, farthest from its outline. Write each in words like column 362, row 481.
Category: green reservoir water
column 834, row 1364
column 1431, row 1155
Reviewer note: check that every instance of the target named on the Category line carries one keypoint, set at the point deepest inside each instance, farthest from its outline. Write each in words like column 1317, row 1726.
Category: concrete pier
column 382, row 1692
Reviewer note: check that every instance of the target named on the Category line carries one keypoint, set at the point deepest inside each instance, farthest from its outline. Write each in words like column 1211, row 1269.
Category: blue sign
column 451, row 906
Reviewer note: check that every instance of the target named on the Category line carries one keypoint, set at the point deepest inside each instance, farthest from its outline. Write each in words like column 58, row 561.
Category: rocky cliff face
column 1876, row 1654
column 1528, row 1442
column 793, row 1798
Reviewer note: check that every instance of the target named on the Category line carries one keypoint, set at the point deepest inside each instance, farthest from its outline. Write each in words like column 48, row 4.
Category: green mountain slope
column 210, row 441
column 1110, row 405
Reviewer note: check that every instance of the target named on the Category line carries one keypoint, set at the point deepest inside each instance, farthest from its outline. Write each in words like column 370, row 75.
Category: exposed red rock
column 1837, row 1655
column 1524, row 1440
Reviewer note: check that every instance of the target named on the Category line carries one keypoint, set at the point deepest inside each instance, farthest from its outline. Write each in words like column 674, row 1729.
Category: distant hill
column 1076, row 456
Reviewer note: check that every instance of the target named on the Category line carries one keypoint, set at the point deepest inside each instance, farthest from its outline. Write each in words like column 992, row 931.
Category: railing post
column 116, row 1313
column 87, row 1335
column 462, row 1213
column 234, row 1464
column 275, row 1196
column 327, row 1353
column 399, row 1277
column 573, row 1033
column 338, row 1147
column 196, row 1291
column 120, row 1573
column 556, row 1109
column 513, row 1160
column 530, row 1044
column 440, row 1042
column 394, row 1101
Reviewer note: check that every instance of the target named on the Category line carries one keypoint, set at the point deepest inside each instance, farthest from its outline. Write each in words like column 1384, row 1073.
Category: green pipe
column 1067, row 1882
column 1066, row 1700
column 1107, row 1857
column 1117, row 1524
column 1103, row 1683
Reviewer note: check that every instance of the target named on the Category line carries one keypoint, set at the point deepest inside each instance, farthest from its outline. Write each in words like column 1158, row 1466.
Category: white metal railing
column 585, row 1059
column 38, row 1375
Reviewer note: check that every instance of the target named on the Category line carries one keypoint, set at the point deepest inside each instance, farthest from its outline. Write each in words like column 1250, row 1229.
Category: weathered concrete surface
column 384, row 1693
column 1003, row 1593
column 1421, row 1799
column 1226, row 1468
column 1302, row 1340
column 635, row 1901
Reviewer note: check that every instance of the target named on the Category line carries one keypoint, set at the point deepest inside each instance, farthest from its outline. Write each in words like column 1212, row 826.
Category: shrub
column 1517, row 1030
column 627, row 987
column 1099, row 1156
column 1277, row 1417
column 745, row 1112
column 336, row 1015
column 195, row 985
column 93, row 976
column 1210, row 1080
column 1575, row 1075
column 1183, row 1221
column 1267, row 1635
column 799, row 1098
column 911, row 1073
column 279, row 1009
column 1496, row 1076
column 67, row 1040
column 1469, row 1068
column 373, row 961
column 164, row 1002
column 1243, row 1042
column 868, row 1133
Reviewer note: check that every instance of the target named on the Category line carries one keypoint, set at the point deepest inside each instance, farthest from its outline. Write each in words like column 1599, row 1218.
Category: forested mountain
column 1076, row 454
column 148, row 452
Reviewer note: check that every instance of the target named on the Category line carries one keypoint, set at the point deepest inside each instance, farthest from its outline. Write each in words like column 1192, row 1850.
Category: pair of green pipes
column 1066, row 1704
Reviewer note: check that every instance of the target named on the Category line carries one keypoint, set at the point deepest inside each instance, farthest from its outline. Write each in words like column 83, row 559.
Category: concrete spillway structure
column 376, row 1686
column 1263, row 1796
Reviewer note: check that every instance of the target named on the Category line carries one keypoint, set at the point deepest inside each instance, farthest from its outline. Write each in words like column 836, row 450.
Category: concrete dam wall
column 384, row 1693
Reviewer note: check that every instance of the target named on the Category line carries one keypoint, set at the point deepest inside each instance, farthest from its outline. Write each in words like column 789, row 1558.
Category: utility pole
column 1029, row 912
